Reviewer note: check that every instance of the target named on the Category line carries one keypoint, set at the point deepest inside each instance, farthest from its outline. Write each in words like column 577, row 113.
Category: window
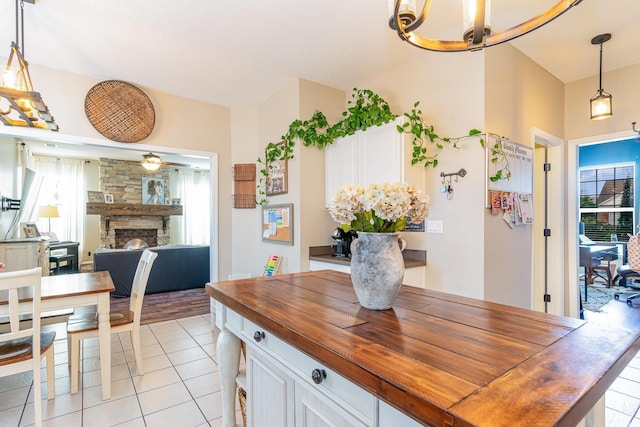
column 607, row 200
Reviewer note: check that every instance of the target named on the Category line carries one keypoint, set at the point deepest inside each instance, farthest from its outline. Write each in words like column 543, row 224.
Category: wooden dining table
column 76, row 290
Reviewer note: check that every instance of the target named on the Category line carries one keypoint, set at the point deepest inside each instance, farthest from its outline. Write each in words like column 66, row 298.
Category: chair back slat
column 25, row 283
column 140, row 280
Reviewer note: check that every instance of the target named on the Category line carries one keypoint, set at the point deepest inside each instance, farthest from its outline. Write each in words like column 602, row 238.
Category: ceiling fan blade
column 183, row 165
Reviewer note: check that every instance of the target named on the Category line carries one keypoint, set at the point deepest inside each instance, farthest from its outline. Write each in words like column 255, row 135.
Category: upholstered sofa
column 177, row 267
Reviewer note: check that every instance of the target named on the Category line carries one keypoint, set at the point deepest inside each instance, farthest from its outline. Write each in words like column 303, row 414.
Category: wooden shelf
column 132, row 209
column 109, row 210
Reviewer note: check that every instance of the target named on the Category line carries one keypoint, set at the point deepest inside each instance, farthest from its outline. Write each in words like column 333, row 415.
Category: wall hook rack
column 446, row 181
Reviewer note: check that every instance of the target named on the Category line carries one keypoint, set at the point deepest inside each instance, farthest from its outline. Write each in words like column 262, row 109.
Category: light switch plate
column 434, row 226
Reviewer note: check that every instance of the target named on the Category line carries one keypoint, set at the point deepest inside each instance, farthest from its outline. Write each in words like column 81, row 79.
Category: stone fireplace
column 128, row 217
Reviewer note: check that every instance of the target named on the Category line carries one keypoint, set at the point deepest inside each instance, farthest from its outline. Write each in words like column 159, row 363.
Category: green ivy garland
column 366, row 109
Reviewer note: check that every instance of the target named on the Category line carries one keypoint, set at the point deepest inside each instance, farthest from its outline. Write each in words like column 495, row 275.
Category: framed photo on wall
column 108, row 198
column 276, row 182
column 153, row 191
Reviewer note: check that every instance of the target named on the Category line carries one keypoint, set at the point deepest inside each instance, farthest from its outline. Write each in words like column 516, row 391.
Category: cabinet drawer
column 340, row 390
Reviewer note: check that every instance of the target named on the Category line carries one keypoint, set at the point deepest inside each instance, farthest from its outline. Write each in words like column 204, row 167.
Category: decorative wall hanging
column 120, row 111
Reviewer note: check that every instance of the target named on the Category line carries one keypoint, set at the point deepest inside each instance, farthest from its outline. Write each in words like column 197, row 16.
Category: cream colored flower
column 379, row 207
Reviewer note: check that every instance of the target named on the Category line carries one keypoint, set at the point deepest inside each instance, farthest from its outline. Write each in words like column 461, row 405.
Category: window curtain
column 195, row 193
column 63, row 186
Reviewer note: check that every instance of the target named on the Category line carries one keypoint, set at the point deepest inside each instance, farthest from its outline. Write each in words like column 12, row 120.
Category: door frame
column 572, row 304
column 555, row 215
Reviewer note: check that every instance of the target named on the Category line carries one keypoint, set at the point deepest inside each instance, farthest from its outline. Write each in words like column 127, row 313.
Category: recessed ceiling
column 238, row 53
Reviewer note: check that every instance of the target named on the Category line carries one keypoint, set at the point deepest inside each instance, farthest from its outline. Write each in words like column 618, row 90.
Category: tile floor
column 180, row 386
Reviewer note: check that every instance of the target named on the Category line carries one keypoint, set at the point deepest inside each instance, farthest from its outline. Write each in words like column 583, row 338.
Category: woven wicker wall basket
column 120, row 111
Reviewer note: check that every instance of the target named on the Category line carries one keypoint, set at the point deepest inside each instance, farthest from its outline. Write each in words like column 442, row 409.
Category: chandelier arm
column 421, row 18
column 24, row 66
column 493, row 39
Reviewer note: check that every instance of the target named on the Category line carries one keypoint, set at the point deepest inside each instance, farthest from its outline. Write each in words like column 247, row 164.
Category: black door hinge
column 547, row 167
column 547, row 232
column 547, row 298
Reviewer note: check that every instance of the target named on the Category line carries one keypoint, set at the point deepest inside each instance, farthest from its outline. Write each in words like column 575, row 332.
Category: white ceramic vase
column 377, row 268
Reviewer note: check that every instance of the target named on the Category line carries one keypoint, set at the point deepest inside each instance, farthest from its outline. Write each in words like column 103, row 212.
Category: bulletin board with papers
column 277, row 224
column 511, row 197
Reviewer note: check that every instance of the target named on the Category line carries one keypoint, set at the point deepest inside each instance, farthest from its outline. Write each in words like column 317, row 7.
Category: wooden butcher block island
column 434, row 359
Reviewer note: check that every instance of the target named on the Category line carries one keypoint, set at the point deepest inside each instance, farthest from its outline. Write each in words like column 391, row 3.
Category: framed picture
column 276, row 181
column 31, row 230
column 95, row 196
column 277, row 224
column 153, row 191
column 108, row 198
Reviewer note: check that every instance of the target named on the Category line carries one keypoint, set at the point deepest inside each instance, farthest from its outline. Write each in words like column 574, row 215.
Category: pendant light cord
column 600, row 68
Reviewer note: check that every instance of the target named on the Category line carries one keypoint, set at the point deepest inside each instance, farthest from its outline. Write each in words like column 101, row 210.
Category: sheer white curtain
column 63, row 186
column 195, row 193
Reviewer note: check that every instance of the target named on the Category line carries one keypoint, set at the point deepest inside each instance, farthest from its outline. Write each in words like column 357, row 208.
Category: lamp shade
column 601, row 106
column 48, row 211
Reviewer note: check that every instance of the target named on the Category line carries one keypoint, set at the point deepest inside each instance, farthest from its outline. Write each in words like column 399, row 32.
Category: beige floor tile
column 10, row 417
column 155, row 379
column 92, row 396
column 164, row 397
column 112, row 412
column 204, row 384
column 210, row 405
column 188, row 355
column 151, row 364
column 184, row 415
column 196, row 368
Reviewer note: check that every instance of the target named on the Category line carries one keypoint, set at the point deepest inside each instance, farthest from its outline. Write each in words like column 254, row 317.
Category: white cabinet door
column 313, row 409
column 270, row 394
column 340, row 165
column 19, row 256
column 380, row 155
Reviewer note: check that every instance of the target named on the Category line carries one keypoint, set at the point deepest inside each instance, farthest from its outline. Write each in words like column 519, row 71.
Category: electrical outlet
column 435, row 226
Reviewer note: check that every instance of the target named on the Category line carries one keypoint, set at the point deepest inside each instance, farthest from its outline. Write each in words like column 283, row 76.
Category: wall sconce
column 601, row 102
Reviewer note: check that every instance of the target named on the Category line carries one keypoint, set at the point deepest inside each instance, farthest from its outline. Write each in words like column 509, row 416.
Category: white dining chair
column 24, row 346
column 85, row 325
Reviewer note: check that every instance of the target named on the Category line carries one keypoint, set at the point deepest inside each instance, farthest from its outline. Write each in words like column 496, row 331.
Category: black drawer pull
column 258, row 336
column 318, row 375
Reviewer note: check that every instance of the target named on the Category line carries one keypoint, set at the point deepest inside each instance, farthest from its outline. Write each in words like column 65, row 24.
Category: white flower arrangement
column 378, row 208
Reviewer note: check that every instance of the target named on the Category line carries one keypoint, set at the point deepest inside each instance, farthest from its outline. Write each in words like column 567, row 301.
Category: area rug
column 168, row 305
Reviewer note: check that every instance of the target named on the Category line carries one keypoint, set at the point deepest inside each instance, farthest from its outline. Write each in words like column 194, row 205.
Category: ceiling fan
column 153, row 162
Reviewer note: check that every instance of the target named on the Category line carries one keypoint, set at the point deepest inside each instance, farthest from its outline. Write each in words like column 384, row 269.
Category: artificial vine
column 367, row 109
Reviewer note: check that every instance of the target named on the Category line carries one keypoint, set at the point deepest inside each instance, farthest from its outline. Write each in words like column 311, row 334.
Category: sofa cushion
column 177, row 267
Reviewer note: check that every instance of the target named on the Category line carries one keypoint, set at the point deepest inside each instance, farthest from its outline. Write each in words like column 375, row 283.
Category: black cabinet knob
column 258, row 336
column 318, row 375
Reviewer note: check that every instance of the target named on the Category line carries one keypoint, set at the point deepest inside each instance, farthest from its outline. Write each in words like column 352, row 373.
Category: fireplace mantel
column 109, row 210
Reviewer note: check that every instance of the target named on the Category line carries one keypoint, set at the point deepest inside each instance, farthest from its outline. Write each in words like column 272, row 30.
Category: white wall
column 520, row 95
column 450, row 89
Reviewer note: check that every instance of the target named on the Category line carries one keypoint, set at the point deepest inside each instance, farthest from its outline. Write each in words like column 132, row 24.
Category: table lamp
column 49, row 211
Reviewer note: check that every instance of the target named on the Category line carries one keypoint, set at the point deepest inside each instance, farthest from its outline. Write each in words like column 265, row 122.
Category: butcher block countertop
column 442, row 359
